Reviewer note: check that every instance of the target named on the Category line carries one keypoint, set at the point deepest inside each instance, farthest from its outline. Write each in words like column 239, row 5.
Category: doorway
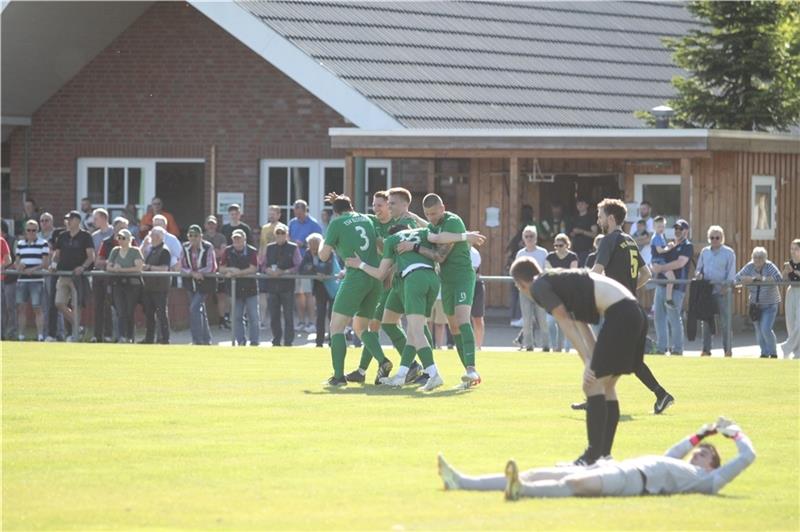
column 567, row 188
column 180, row 187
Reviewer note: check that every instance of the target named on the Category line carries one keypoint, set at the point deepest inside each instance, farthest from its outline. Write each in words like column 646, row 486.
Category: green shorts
column 381, row 304
column 357, row 295
column 394, row 301
column 420, row 290
column 459, row 291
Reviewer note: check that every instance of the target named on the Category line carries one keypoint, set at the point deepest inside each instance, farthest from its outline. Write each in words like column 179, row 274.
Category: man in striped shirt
column 32, row 256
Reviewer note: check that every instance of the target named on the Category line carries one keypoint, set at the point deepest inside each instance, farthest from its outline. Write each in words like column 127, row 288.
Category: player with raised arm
column 418, row 285
column 458, row 281
column 390, row 208
column 667, row 474
column 577, row 298
column 350, row 233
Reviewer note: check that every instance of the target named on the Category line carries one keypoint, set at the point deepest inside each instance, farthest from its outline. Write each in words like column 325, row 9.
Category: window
column 664, row 194
column 114, row 183
column 378, row 176
column 763, row 204
column 285, row 181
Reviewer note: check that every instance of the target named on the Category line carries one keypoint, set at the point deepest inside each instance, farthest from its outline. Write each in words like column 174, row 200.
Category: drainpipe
column 361, row 171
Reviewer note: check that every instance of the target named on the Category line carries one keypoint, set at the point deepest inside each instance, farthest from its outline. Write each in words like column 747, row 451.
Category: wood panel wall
column 721, row 189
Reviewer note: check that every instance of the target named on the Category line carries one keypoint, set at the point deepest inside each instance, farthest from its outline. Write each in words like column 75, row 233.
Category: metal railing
column 320, row 277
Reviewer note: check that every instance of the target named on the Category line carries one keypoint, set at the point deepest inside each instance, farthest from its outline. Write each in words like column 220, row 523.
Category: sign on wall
column 225, row 200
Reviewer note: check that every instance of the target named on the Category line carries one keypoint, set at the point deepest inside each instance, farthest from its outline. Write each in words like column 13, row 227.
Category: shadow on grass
column 622, row 418
column 408, row 391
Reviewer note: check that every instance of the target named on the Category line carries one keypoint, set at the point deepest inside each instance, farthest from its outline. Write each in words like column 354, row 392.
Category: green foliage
column 744, row 66
column 110, row 437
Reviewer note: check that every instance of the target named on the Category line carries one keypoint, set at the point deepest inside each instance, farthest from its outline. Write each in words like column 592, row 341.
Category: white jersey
column 669, row 474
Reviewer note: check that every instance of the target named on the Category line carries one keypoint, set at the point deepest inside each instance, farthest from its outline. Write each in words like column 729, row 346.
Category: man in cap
column 197, row 259
column 73, row 251
column 668, row 321
column 239, row 260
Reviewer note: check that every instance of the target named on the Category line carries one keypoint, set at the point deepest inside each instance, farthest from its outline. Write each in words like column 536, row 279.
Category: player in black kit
column 618, row 257
column 576, row 298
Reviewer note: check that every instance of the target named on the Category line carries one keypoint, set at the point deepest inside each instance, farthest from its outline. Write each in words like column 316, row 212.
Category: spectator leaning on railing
column 668, row 320
column 156, row 289
column 313, row 265
column 282, row 257
column 534, row 317
column 240, row 259
column 74, row 251
column 791, row 271
column 33, row 255
column 764, row 300
column 717, row 264
column 101, row 285
column 300, row 227
column 126, row 259
column 197, row 259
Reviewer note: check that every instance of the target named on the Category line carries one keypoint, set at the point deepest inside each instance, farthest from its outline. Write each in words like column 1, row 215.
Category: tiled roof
column 492, row 64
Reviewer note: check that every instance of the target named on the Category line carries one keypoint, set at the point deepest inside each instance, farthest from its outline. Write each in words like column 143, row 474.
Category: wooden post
column 513, row 192
column 686, row 191
column 349, row 176
column 431, row 175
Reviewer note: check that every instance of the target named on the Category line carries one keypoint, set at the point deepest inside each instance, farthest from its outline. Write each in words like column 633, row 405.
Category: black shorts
column 621, row 341
column 478, row 301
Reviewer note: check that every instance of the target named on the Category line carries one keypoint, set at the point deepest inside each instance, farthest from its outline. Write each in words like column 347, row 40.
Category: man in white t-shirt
column 532, row 313
column 645, row 213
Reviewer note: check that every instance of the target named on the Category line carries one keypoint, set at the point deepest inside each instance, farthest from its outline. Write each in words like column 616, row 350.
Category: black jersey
column 619, row 256
column 572, row 288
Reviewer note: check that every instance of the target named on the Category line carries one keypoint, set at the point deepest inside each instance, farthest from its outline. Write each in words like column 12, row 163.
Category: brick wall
column 172, row 85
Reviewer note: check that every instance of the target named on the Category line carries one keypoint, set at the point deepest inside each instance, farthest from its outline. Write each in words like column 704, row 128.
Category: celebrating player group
column 392, row 258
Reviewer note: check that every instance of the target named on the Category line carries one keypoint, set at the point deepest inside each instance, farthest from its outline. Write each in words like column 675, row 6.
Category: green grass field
column 116, row 437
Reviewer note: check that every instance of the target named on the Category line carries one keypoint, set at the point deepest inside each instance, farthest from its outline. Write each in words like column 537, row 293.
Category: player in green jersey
column 420, row 287
column 458, row 282
column 391, row 208
column 350, row 233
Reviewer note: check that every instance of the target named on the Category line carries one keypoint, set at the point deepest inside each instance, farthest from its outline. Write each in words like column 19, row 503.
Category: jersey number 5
column 363, row 234
column 634, row 263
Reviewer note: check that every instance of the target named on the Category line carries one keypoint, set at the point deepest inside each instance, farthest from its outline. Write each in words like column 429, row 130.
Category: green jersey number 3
column 363, row 234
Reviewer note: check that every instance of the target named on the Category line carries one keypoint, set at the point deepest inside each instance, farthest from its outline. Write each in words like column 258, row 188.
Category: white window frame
column 763, row 234
column 639, row 180
column 378, row 163
column 147, row 165
column 316, row 172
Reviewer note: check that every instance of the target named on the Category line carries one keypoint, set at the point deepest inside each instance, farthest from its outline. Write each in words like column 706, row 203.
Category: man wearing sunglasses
column 33, row 256
column 717, row 264
column 678, row 262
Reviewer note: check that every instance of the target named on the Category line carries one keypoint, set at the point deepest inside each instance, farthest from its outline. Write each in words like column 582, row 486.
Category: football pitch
column 128, row 437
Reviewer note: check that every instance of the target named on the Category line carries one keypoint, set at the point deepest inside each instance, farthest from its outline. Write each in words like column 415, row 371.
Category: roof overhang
column 44, row 44
column 665, row 143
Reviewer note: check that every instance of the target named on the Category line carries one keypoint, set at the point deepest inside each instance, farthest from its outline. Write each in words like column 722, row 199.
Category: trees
column 744, row 66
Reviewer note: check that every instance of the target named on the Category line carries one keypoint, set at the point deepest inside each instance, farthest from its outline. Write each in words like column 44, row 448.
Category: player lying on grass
column 646, row 475
column 577, row 298
column 418, row 285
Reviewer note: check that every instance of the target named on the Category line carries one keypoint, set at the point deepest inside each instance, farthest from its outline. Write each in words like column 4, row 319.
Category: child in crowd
column 659, row 250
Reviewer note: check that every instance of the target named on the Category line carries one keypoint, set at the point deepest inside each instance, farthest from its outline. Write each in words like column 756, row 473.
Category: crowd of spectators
column 128, row 246
column 558, row 242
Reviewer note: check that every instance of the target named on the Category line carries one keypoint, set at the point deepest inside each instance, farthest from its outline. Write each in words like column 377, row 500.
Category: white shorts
column 302, row 286
column 619, row 480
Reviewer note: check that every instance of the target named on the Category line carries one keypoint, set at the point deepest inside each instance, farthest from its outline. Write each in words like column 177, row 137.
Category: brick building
column 201, row 102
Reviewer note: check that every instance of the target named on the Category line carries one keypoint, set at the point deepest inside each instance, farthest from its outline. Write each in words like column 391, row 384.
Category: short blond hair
column 716, row 229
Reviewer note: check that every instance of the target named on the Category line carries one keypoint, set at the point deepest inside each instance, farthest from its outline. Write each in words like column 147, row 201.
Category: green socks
column 396, row 335
column 426, row 356
column 428, row 335
column 467, row 344
column 338, row 352
column 459, row 348
column 372, row 345
column 408, row 355
column 366, row 358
